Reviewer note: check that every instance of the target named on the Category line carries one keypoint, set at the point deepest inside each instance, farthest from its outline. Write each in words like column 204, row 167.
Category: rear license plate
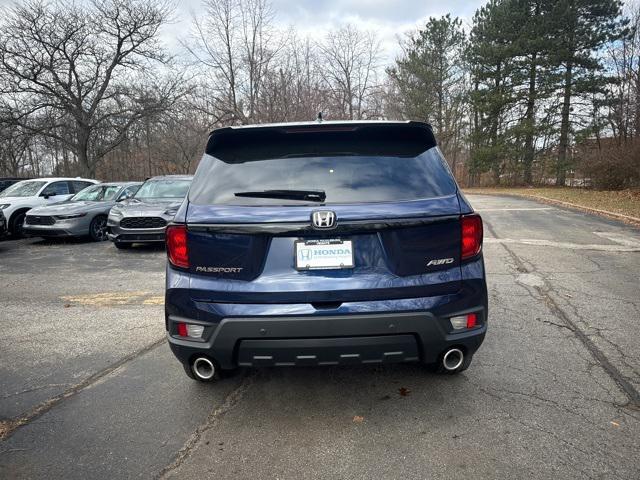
column 324, row 254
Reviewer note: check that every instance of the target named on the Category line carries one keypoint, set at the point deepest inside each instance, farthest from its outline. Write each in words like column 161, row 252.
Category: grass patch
column 624, row 202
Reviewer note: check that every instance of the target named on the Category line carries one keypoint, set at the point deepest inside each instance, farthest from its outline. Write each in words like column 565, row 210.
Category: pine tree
column 579, row 28
column 491, row 58
column 430, row 79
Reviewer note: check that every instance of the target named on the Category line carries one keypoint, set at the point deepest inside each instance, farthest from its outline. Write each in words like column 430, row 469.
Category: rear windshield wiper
column 310, row 195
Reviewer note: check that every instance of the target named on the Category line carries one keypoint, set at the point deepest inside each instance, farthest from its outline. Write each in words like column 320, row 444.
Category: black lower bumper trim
column 328, row 351
column 137, row 238
column 316, row 340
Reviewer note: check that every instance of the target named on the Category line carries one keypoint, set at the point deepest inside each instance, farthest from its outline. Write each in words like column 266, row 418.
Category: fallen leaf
column 615, row 424
column 358, row 419
column 67, row 305
column 404, row 391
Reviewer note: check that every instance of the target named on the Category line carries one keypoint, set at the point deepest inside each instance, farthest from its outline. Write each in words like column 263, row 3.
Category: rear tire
column 122, row 246
column 98, row 228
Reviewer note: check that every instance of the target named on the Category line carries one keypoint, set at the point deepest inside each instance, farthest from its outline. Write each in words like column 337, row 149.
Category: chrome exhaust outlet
column 203, row 368
column 452, row 359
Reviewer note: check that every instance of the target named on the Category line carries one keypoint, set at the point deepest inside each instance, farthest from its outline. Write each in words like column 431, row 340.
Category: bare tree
column 76, row 63
column 236, row 42
column 350, row 59
column 293, row 89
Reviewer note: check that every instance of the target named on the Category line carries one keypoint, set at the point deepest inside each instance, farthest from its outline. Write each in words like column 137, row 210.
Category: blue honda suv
column 332, row 243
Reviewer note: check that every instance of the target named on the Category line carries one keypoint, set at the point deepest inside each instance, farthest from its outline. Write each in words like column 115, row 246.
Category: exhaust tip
column 452, row 359
column 203, row 368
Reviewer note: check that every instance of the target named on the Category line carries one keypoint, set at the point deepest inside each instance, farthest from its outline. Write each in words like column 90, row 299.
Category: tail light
column 471, row 235
column 177, row 249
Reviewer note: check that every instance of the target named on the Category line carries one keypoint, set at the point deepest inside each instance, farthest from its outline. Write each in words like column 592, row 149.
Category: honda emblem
column 323, row 219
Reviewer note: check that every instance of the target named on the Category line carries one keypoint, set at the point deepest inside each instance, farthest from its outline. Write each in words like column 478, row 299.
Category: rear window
column 382, row 163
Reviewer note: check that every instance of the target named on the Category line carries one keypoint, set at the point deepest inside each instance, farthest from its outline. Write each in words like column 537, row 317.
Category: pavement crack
column 34, row 389
column 230, row 401
column 616, row 375
column 8, row 427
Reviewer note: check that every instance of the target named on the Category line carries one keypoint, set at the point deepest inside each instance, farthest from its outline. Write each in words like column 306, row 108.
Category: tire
column 122, row 246
column 15, row 224
column 98, row 228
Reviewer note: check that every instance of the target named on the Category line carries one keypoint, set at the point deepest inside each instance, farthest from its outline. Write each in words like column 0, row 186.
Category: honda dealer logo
column 323, row 219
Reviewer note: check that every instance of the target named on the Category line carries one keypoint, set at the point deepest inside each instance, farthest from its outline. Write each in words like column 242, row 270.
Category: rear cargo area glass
column 350, row 165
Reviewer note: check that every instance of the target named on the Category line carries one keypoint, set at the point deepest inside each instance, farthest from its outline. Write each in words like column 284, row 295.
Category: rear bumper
column 326, row 340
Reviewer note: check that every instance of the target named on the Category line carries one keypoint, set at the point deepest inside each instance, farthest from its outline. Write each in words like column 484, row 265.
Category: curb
column 552, row 201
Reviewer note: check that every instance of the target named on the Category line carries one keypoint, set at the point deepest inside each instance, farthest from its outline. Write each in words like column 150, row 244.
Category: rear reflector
column 471, row 320
column 177, row 250
column 471, row 235
column 182, row 330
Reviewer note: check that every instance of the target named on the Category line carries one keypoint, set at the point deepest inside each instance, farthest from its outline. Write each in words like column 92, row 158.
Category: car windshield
column 23, row 189
column 97, row 193
column 166, row 188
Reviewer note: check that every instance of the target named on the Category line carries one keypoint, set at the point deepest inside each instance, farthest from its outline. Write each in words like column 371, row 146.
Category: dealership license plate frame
column 329, row 263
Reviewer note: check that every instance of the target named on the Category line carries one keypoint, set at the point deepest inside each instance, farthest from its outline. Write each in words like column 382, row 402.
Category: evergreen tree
column 491, row 58
column 430, row 79
column 579, row 28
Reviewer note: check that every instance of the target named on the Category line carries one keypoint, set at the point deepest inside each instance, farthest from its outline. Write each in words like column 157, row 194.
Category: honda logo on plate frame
column 323, row 219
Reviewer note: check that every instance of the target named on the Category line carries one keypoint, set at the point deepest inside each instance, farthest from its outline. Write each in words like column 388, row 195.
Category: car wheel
column 122, row 246
column 15, row 225
column 98, row 229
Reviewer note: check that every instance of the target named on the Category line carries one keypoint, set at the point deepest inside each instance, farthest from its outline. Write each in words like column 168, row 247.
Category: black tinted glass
column 344, row 179
column 321, row 163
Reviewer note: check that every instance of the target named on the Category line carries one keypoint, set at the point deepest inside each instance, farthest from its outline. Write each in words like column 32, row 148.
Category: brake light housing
column 471, row 238
column 177, row 248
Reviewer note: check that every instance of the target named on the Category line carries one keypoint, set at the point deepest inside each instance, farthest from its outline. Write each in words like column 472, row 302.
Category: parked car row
column 124, row 212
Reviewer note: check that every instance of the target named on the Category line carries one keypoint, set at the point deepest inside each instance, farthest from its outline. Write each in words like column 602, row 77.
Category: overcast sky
column 388, row 18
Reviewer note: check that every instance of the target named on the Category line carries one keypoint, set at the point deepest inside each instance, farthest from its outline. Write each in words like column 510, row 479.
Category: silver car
column 143, row 218
column 84, row 214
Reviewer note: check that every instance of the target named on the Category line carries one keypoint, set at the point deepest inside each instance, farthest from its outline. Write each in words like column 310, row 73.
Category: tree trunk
column 87, row 168
column 530, row 121
column 563, row 146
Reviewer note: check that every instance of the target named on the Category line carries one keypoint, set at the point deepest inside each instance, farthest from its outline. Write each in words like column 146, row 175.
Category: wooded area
column 531, row 92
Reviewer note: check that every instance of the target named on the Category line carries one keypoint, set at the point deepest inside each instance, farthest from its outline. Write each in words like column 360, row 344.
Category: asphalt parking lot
column 89, row 388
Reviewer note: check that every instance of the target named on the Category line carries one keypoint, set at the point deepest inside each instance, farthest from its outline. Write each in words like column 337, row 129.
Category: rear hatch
column 323, row 214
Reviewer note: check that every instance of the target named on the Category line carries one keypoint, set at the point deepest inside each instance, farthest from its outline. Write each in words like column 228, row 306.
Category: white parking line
column 620, row 238
column 514, row 209
column 567, row 245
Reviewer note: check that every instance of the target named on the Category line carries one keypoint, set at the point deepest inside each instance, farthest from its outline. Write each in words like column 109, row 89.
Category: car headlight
column 68, row 217
column 4, row 205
